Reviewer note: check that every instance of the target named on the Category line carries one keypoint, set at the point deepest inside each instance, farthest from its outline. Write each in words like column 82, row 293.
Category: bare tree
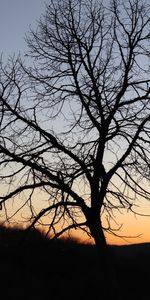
column 75, row 123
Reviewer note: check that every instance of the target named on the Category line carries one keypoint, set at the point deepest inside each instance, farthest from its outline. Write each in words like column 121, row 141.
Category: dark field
column 40, row 269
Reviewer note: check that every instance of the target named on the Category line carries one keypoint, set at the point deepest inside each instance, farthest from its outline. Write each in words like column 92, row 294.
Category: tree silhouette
column 75, row 120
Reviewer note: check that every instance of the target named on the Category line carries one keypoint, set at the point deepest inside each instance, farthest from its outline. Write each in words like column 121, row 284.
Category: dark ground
column 38, row 269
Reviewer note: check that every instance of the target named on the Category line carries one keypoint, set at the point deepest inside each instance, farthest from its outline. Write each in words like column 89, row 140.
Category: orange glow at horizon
column 135, row 229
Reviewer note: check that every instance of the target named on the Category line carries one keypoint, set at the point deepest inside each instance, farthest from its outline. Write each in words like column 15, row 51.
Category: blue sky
column 15, row 18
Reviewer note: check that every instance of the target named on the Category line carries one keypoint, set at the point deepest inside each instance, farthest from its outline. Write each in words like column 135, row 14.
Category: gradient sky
column 15, row 18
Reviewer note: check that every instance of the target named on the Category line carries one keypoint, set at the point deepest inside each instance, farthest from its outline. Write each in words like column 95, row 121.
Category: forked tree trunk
column 108, row 280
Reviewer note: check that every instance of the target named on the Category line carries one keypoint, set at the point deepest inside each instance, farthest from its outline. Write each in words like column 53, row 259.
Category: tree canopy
column 75, row 116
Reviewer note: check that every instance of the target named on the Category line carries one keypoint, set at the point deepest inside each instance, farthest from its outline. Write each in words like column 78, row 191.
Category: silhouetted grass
column 37, row 268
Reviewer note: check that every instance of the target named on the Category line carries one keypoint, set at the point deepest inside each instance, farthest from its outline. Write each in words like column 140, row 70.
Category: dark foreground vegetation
column 37, row 268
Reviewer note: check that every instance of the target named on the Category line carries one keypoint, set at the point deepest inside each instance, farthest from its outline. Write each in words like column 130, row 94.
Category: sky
column 15, row 18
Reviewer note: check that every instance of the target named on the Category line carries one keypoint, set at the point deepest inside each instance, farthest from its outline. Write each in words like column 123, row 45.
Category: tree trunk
column 108, row 280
